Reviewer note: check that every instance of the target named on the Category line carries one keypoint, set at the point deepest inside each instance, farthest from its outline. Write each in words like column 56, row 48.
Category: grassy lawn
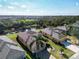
column 56, row 54
column 38, row 30
column 12, row 36
column 28, row 56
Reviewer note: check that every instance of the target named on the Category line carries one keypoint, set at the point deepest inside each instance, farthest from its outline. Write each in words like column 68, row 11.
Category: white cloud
column 14, row 3
column 10, row 7
column 77, row 3
column 0, row 5
column 23, row 6
column 9, row 12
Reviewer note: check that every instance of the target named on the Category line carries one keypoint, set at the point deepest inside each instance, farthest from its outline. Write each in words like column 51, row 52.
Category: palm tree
column 39, row 41
column 40, row 44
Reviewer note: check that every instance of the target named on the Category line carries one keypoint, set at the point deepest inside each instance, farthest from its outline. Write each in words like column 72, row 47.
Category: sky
column 39, row 7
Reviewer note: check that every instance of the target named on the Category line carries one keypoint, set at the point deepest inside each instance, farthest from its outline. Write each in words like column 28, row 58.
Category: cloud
column 10, row 7
column 14, row 3
column 77, row 3
column 17, row 7
column 38, row 12
column 0, row 5
column 23, row 6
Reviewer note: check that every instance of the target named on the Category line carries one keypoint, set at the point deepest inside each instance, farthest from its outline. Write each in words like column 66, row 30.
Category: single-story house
column 56, row 33
column 10, row 50
column 28, row 40
column 7, row 40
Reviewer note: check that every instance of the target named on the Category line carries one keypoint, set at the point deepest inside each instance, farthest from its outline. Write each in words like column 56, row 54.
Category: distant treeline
column 9, row 25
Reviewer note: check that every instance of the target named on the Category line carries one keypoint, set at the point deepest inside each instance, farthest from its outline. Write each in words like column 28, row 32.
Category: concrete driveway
column 73, row 48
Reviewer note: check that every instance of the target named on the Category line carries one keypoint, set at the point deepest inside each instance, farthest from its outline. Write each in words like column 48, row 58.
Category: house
column 27, row 40
column 11, row 52
column 9, row 49
column 57, row 32
column 7, row 40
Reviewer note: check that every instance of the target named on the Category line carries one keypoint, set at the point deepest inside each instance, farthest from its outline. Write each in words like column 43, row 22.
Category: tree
column 39, row 42
column 2, row 28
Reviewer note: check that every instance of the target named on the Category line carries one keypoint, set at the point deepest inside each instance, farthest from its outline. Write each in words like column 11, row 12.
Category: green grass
column 38, row 30
column 12, row 36
column 57, row 50
column 28, row 56
column 27, row 20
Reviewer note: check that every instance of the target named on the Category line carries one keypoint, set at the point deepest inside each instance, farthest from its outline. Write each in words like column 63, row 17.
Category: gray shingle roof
column 56, row 33
column 27, row 38
column 11, row 51
column 7, row 40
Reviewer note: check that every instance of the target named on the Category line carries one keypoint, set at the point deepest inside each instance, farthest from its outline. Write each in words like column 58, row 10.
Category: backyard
column 56, row 53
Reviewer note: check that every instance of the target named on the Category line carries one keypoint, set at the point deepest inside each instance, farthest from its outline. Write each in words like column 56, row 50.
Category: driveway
column 73, row 48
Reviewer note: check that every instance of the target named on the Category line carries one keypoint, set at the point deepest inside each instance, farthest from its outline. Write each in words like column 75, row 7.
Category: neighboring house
column 62, row 28
column 7, row 40
column 11, row 52
column 9, row 49
column 74, row 29
column 57, row 33
column 27, row 40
